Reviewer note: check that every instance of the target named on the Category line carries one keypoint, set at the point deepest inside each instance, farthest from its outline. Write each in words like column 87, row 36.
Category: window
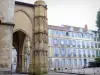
column 63, row 62
column 57, row 63
column 88, row 53
column 56, row 51
column 79, row 35
column 53, row 32
column 97, row 53
column 87, row 44
column 65, row 41
column 74, row 52
column 49, row 32
column 69, row 61
column 93, row 53
column 75, row 61
column 49, row 39
column 69, row 52
column 68, row 42
column 84, row 53
column 63, row 51
column 64, row 33
column 93, row 44
column 83, row 44
column 96, row 45
column 59, row 33
column 74, row 42
column 78, row 43
column 80, row 61
column 55, row 41
column 71, row 29
column 90, row 44
column 79, row 53
column 80, row 30
column 75, row 35
column 70, row 34
column 62, row 41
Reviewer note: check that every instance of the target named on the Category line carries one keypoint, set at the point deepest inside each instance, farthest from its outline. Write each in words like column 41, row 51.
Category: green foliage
column 97, row 59
column 98, row 20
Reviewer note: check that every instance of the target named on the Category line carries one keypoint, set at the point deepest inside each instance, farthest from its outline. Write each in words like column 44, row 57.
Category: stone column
column 6, row 31
column 40, row 37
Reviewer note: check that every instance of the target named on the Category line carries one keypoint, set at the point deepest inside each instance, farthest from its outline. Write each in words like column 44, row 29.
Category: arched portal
column 21, row 44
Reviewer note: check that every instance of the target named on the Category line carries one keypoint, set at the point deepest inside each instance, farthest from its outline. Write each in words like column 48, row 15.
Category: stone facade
column 6, row 31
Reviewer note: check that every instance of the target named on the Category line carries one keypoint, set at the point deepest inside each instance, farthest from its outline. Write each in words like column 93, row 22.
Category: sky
column 71, row 12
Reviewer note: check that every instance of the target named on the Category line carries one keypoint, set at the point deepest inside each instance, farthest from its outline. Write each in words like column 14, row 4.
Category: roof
column 23, row 3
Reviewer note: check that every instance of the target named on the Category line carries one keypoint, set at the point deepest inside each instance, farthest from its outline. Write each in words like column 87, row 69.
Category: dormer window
column 80, row 30
column 71, row 29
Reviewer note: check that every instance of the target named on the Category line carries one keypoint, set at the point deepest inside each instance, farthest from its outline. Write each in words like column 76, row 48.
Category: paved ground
column 54, row 73
column 88, row 71
column 50, row 73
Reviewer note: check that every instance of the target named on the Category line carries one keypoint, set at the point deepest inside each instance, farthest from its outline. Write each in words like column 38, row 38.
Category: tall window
column 78, row 43
column 64, row 33
column 74, row 43
column 87, row 44
column 68, row 42
column 56, row 51
column 59, row 33
column 84, row 53
column 62, row 41
column 93, row 44
column 65, row 41
column 88, row 53
column 49, row 32
column 55, row 42
column 79, row 53
column 79, row 35
column 63, row 62
column 69, row 61
column 93, row 53
column 62, row 51
column 80, row 61
column 49, row 39
column 97, row 53
column 75, row 61
column 69, row 52
column 74, row 52
column 57, row 63
column 83, row 44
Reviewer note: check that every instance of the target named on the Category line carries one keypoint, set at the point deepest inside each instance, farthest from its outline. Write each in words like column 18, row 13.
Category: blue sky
column 71, row 12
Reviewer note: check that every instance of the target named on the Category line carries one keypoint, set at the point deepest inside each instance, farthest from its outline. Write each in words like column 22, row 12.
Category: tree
column 98, row 19
column 97, row 59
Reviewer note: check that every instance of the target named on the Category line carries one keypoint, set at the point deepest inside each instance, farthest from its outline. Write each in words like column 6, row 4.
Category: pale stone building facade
column 72, row 47
column 19, row 21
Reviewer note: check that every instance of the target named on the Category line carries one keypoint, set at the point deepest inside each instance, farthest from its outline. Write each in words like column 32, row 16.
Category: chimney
column 86, row 27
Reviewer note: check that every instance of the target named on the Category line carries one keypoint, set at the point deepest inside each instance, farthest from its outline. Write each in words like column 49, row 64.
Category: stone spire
column 40, row 2
column 40, row 37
